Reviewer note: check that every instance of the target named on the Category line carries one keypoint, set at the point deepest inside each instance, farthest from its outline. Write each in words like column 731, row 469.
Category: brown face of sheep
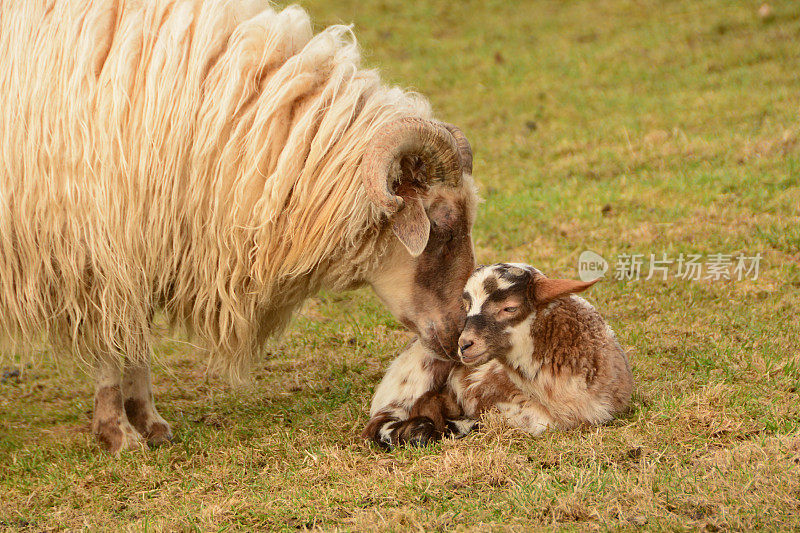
column 501, row 302
column 418, row 172
column 424, row 291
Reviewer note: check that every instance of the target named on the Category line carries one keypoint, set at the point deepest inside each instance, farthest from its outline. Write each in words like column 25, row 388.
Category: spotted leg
column 110, row 424
column 412, row 404
column 139, row 406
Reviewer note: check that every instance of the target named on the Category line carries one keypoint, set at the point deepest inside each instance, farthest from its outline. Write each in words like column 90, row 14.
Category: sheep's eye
column 510, row 309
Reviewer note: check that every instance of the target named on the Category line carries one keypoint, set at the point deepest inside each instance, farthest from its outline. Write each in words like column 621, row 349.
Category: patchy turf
column 620, row 127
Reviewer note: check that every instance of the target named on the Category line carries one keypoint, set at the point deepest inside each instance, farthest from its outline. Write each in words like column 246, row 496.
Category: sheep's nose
column 464, row 346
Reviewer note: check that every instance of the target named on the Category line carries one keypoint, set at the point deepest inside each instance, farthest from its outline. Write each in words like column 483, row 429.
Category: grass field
column 661, row 127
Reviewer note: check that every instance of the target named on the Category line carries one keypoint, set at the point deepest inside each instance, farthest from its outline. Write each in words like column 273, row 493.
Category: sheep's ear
column 546, row 289
column 412, row 227
column 411, row 223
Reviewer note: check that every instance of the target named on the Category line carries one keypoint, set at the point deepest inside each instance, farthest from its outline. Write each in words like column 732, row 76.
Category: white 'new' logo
column 591, row 266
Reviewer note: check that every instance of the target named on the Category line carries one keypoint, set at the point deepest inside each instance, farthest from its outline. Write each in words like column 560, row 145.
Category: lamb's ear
column 545, row 289
column 411, row 225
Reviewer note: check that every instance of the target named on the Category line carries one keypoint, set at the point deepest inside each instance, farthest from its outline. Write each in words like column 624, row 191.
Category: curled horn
column 464, row 149
column 431, row 141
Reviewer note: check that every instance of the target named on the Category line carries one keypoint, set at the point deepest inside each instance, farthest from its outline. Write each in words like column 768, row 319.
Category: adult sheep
column 216, row 161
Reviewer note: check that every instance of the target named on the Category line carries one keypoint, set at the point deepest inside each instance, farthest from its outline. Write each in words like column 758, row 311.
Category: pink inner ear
column 547, row 289
column 411, row 226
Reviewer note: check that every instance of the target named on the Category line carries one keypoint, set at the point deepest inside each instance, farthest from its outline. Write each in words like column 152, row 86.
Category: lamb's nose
column 465, row 346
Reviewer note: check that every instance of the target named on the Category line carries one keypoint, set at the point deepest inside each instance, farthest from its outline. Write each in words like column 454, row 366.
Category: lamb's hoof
column 460, row 428
column 379, row 431
column 419, row 431
column 117, row 435
column 388, row 432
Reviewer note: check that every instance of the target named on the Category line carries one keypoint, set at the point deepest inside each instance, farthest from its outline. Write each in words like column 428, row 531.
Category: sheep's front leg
column 137, row 392
column 110, row 424
column 412, row 404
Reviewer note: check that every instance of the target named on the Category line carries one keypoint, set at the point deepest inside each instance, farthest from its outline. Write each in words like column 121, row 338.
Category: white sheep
column 218, row 162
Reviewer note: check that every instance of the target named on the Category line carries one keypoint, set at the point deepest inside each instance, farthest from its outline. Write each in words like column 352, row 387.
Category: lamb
column 217, row 162
column 530, row 348
column 531, row 336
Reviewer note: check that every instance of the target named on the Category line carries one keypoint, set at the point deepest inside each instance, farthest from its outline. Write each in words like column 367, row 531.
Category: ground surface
column 621, row 127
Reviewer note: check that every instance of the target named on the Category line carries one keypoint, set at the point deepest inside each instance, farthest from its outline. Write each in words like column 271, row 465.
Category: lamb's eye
column 510, row 309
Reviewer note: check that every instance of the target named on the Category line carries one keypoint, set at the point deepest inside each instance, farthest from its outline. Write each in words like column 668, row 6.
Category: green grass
column 621, row 127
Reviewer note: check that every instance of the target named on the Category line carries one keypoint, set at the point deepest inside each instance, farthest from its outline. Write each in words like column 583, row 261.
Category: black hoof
column 418, row 432
column 458, row 429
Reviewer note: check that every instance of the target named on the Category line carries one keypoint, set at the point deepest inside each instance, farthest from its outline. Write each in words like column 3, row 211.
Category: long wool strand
column 199, row 157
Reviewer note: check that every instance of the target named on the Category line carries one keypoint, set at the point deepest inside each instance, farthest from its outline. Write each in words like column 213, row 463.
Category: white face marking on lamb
column 490, row 279
column 476, row 290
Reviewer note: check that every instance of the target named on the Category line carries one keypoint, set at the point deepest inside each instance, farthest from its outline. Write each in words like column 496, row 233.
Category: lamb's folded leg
column 412, row 404
column 139, row 406
column 489, row 386
column 110, row 423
